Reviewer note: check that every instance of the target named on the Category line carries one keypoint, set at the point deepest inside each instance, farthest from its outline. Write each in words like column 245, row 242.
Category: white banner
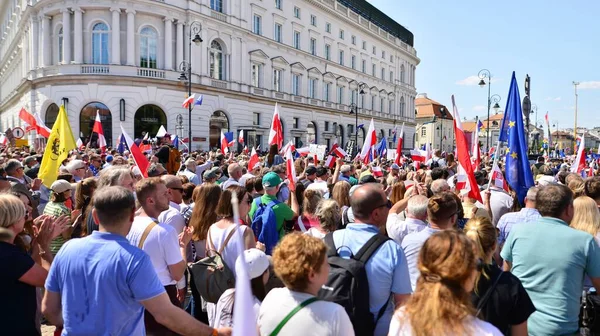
column 318, row 150
column 391, row 154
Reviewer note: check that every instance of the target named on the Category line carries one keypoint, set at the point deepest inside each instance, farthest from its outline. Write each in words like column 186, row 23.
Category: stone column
column 66, row 19
column 179, row 44
column 168, row 44
column 35, row 42
column 78, row 35
column 116, row 37
column 130, row 37
column 46, row 42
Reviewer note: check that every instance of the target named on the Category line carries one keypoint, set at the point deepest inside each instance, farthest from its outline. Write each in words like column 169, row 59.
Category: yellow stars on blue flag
column 511, row 124
column 514, row 155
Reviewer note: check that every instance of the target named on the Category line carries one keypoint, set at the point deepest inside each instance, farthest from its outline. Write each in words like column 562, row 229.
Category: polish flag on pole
column 34, row 123
column 377, row 172
column 330, row 162
column 224, row 144
column 138, row 157
column 3, row 140
column 476, row 151
column 370, row 141
column 418, row 155
column 79, row 143
column 253, row 159
column 276, row 133
column 337, row 150
column 290, row 170
column 399, row 146
column 41, row 126
column 497, row 178
column 289, row 145
column 464, row 160
column 428, row 151
column 579, row 163
column 98, row 129
column 303, row 151
column 188, row 101
column 241, row 137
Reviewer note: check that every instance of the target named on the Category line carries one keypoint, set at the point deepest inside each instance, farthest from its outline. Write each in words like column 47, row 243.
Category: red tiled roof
column 428, row 108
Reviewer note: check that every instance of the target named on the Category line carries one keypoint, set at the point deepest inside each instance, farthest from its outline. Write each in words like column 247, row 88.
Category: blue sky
column 556, row 42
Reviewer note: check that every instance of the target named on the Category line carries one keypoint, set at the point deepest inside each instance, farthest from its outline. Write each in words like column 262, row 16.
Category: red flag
column 224, row 144
column 330, row 162
column 399, row 146
column 464, row 160
column 497, row 178
column 418, row 155
column 188, row 101
column 370, row 141
column 579, row 163
column 377, row 172
column 98, row 129
column 140, row 159
column 253, row 159
column 290, row 170
column 35, row 123
column 246, row 149
column 241, row 137
column 337, row 150
column 276, row 133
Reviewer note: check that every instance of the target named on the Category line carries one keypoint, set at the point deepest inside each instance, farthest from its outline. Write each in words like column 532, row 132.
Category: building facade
column 124, row 59
column 435, row 124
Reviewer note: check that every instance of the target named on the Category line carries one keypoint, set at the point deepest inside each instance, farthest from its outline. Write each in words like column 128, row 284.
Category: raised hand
column 60, row 225
column 185, row 236
column 43, row 231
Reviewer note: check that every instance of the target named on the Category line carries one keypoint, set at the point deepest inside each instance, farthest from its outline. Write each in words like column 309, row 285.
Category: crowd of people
column 108, row 249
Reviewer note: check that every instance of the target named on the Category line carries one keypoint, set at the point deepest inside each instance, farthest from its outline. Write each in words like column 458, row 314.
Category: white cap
column 74, row 165
column 60, row 186
column 256, row 260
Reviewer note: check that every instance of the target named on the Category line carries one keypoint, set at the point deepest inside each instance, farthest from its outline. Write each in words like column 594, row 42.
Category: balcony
column 218, row 15
column 151, row 73
column 95, row 69
column 220, row 84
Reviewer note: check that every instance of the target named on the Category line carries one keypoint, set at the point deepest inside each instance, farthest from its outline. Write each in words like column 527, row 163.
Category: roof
column 495, row 117
column 469, row 126
column 427, row 108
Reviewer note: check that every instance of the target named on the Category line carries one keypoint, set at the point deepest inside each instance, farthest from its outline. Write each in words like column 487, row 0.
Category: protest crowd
column 163, row 242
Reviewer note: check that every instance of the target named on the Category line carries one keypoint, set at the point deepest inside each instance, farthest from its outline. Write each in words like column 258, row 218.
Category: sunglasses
column 178, row 189
column 388, row 204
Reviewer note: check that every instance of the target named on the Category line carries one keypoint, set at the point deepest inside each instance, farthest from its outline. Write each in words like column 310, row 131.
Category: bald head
column 366, row 201
column 439, row 186
column 235, row 171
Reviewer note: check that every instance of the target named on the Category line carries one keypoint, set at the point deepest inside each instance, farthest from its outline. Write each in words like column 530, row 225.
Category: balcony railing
column 218, row 15
column 218, row 83
column 95, row 69
column 152, row 73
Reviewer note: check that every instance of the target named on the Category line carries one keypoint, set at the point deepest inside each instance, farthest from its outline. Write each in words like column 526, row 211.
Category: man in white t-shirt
column 172, row 216
column 158, row 240
column 416, row 216
column 320, row 182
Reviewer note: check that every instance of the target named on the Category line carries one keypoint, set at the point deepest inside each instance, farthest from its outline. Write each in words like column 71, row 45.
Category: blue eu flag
column 518, row 172
column 381, row 147
column 122, row 145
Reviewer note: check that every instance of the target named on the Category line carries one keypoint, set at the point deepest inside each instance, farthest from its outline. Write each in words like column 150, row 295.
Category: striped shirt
column 56, row 209
column 507, row 221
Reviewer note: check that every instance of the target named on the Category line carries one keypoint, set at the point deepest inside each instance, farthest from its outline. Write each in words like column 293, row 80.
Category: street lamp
column 483, row 75
column 186, row 71
column 354, row 110
column 441, row 127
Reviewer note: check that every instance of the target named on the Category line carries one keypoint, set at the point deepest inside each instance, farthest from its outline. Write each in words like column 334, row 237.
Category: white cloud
column 589, row 85
column 479, row 108
column 473, row 80
column 553, row 99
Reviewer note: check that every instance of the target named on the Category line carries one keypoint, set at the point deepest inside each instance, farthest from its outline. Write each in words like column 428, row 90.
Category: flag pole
column 495, row 162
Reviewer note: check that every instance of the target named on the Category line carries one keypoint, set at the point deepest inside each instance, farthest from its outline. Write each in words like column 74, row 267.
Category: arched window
column 219, row 122
column 402, row 72
column 311, row 133
column 148, row 42
column 216, row 60
column 402, row 106
column 86, row 123
column 60, row 46
column 100, row 44
column 148, row 119
column 51, row 115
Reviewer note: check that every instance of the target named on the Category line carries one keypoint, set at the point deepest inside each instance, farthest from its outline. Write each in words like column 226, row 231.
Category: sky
column 556, row 42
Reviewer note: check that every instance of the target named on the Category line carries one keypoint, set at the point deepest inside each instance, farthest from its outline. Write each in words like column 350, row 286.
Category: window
column 328, row 52
column 353, row 96
column 353, row 62
column 372, row 103
column 402, row 73
column 364, row 66
column 296, row 84
column 257, row 25
column 391, row 107
column 256, row 118
column 374, row 70
column 383, row 54
column 374, row 50
column 328, row 27
column 148, row 43
column 60, row 45
column 216, row 5
column 364, row 45
column 312, row 88
column 353, row 39
column 297, row 39
column 391, row 76
column 351, row 129
column 391, row 59
column 423, row 131
column 100, row 43
column 340, row 94
column 402, row 106
column 297, row 12
column 326, row 126
column 255, row 74
column 342, row 34
column 383, row 73
column 296, row 122
column 313, row 20
column 277, row 33
column 381, row 104
column 278, row 4
column 326, row 91
column 216, row 61
column 313, row 46
column 341, row 58
column 277, row 80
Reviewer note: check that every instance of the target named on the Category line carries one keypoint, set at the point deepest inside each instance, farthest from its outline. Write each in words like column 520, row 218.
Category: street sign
column 18, row 132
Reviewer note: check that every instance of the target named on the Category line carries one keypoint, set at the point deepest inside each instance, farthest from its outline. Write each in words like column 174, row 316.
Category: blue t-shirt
column 550, row 258
column 102, row 279
column 386, row 269
column 411, row 245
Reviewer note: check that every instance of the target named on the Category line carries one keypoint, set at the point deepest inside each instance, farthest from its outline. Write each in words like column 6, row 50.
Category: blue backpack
column 264, row 224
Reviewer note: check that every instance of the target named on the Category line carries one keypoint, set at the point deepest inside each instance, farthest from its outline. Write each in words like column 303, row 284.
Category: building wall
column 33, row 76
column 429, row 133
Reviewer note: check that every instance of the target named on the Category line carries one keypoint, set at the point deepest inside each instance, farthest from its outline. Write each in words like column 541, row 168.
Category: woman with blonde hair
column 329, row 216
column 499, row 296
column 587, row 216
column 308, row 220
column 441, row 304
column 341, row 194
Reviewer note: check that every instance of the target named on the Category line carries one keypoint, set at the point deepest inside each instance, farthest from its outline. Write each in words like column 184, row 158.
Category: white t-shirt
column 400, row 327
column 398, row 227
column 230, row 253
column 222, row 315
column 162, row 245
column 321, row 317
column 173, row 217
column 320, row 186
column 314, row 232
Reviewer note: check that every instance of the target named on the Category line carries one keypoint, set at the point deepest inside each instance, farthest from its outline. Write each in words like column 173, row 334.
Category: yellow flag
column 60, row 142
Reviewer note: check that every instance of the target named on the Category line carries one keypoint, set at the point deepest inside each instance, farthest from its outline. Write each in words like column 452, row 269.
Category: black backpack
column 348, row 286
column 434, row 164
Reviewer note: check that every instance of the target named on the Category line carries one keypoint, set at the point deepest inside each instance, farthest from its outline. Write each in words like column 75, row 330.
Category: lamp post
column 186, row 71
column 354, row 110
column 555, row 125
column 483, row 75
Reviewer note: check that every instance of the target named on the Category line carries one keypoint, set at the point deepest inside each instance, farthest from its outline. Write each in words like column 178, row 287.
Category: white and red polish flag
column 418, row 155
column 464, row 159
column 399, row 145
column 79, row 143
column 330, row 162
column 98, row 129
column 579, row 163
column 138, row 157
column 241, row 137
column 370, row 140
column 337, row 150
column 188, row 101
column 377, row 172
column 303, row 151
column 253, row 159
column 290, row 170
column 34, row 122
column 476, row 151
column 276, row 132
column 289, row 145
column 498, row 178
column 3, row 140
